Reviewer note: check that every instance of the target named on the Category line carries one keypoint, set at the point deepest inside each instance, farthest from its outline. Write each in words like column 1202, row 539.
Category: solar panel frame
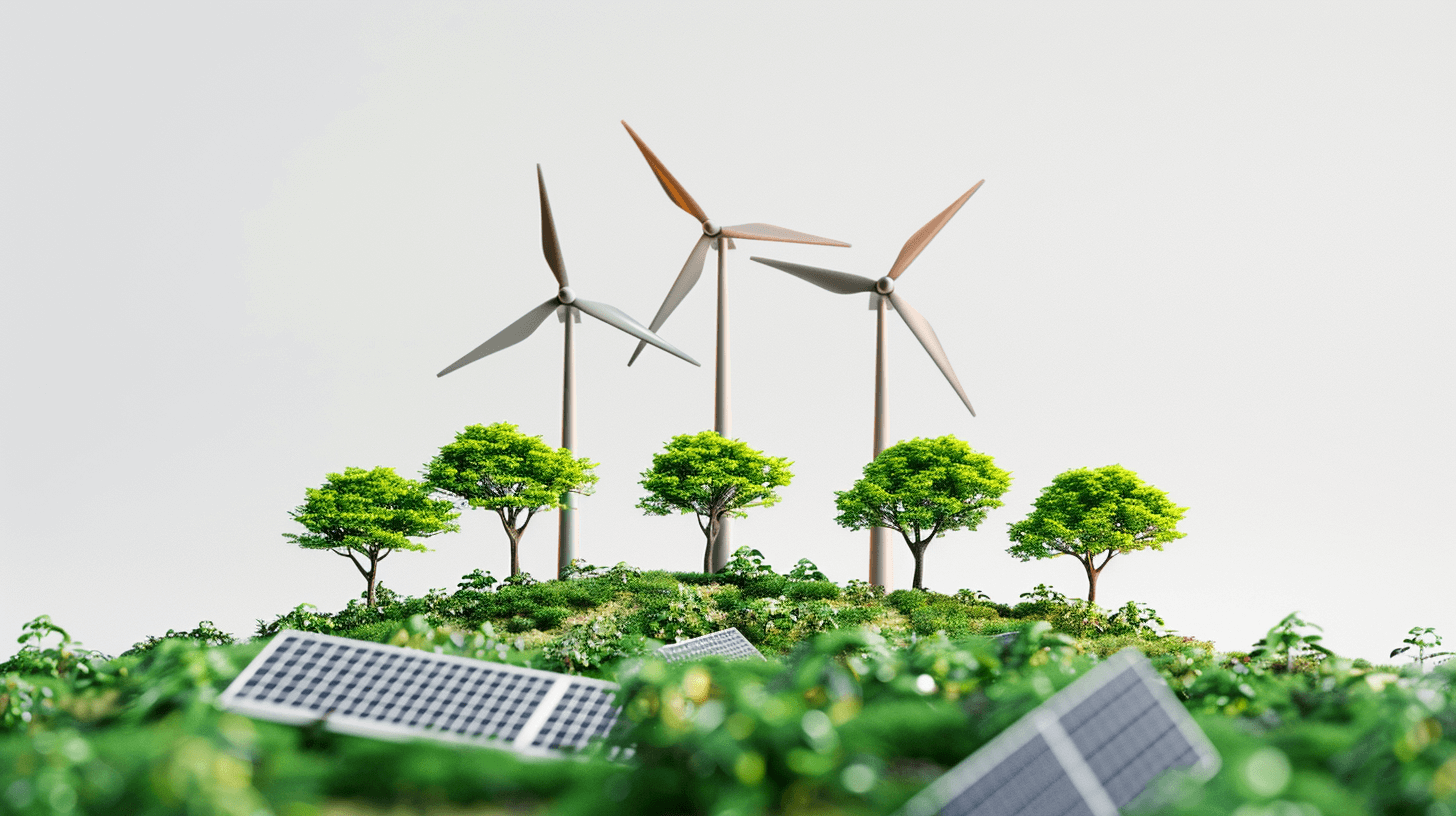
column 391, row 692
column 1048, row 723
column 729, row 644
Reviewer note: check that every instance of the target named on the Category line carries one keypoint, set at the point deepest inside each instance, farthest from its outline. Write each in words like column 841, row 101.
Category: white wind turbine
column 882, row 298
column 567, row 305
column 713, row 237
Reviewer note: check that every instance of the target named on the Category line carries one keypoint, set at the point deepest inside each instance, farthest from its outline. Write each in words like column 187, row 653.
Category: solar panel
column 1090, row 750
column 375, row 690
column 729, row 644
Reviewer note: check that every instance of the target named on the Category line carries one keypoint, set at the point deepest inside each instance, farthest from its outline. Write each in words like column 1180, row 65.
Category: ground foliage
column 866, row 697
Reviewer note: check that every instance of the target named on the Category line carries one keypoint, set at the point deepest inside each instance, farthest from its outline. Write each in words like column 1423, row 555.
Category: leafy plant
column 370, row 515
column 1104, row 512
column 805, row 570
column 478, row 581
column 746, row 563
column 65, row 659
column 496, row 467
column 713, row 478
column 205, row 632
column 1287, row 639
column 1135, row 618
column 922, row 489
column 1422, row 639
column 299, row 618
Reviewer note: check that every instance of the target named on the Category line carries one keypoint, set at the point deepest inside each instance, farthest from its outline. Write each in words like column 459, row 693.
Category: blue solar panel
column 370, row 689
column 729, row 644
column 1090, row 749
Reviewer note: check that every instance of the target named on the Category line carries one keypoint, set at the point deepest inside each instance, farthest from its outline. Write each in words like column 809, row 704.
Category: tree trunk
column 1091, row 579
column 515, row 536
column 370, row 578
column 714, row 524
column 918, row 550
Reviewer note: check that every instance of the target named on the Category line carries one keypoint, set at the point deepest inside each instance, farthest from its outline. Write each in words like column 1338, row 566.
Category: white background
column 1214, row 246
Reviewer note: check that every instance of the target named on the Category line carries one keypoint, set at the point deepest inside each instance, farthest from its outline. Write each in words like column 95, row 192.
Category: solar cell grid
column 727, row 643
column 1090, row 749
column 388, row 691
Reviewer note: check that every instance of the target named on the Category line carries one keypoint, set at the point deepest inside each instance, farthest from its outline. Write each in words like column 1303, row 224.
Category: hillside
column 908, row 684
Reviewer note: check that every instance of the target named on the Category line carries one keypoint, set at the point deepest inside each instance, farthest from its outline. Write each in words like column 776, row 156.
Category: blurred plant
column 299, row 618
column 66, row 658
column 1287, row 640
column 862, row 592
column 206, row 633
column 1422, row 639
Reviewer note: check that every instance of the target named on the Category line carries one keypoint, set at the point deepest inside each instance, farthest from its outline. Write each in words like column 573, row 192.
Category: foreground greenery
column 864, row 700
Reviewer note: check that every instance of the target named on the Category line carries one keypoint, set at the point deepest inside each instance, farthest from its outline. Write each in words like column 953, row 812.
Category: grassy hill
column 905, row 685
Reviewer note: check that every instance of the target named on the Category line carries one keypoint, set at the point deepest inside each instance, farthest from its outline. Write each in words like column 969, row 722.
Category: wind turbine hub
column 709, row 228
column 566, row 296
column 885, row 285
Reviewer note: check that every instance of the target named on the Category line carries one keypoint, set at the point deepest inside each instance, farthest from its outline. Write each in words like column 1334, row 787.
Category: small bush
column 376, row 632
column 550, row 617
column 855, row 616
column 806, row 570
column 982, row 612
column 906, row 601
column 863, row 592
column 698, row 578
column 520, row 623
column 811, row 590
column 764, row 585
column 948, row 618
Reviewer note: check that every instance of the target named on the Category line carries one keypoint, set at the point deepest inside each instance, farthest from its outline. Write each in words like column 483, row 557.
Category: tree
column 1086, row 513
column 713, row 477
column 370, row 514
column 499, row 468
column 923, row 488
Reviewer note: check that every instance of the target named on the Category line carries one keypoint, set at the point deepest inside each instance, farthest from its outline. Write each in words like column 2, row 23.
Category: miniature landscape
column 865, row 698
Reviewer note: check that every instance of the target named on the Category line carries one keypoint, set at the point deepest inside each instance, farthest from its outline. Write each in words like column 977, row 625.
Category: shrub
column 520, row 623
column 699, row 578
column 478, row 581
column 906, row 601
column 852, row 616
column 376, row 632
column 550, row 617
column 811, row 590
column 301, row 619
column 205, row 633
column 806, row 570
column 863, row 592
column 982, row 612
column 764, row 585
column 588, row 648
column 948, row 618
column 747, row 562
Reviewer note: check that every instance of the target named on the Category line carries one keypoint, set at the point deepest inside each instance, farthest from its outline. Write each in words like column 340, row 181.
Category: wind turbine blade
column 613, row 316
column 921, row 239
column 549, row 244
column 669, row 184
column 840, row 283
column 920, row 327
column 507, row 337
column 768, row 232
column 691, row 271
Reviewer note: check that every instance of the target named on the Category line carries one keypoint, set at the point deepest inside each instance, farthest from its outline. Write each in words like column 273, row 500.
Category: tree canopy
column 923, row 488
column 1086, row 513
column 370, row 514
column 497, row 467
column 712, row 477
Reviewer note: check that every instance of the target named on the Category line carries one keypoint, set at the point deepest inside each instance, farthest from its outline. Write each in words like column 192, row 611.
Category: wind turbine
column 567, row 306
column 882, row 298
column 713, row 237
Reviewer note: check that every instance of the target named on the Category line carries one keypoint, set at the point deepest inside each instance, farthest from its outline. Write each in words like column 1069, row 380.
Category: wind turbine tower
column 721, row 239
column 568, row 306
column 883, row 298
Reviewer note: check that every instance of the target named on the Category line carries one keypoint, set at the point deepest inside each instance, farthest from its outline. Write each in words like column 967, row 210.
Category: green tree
column 923, row 488
column 499, row 468
column 1088, row 513
column 712, row 477
column 369, row 514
